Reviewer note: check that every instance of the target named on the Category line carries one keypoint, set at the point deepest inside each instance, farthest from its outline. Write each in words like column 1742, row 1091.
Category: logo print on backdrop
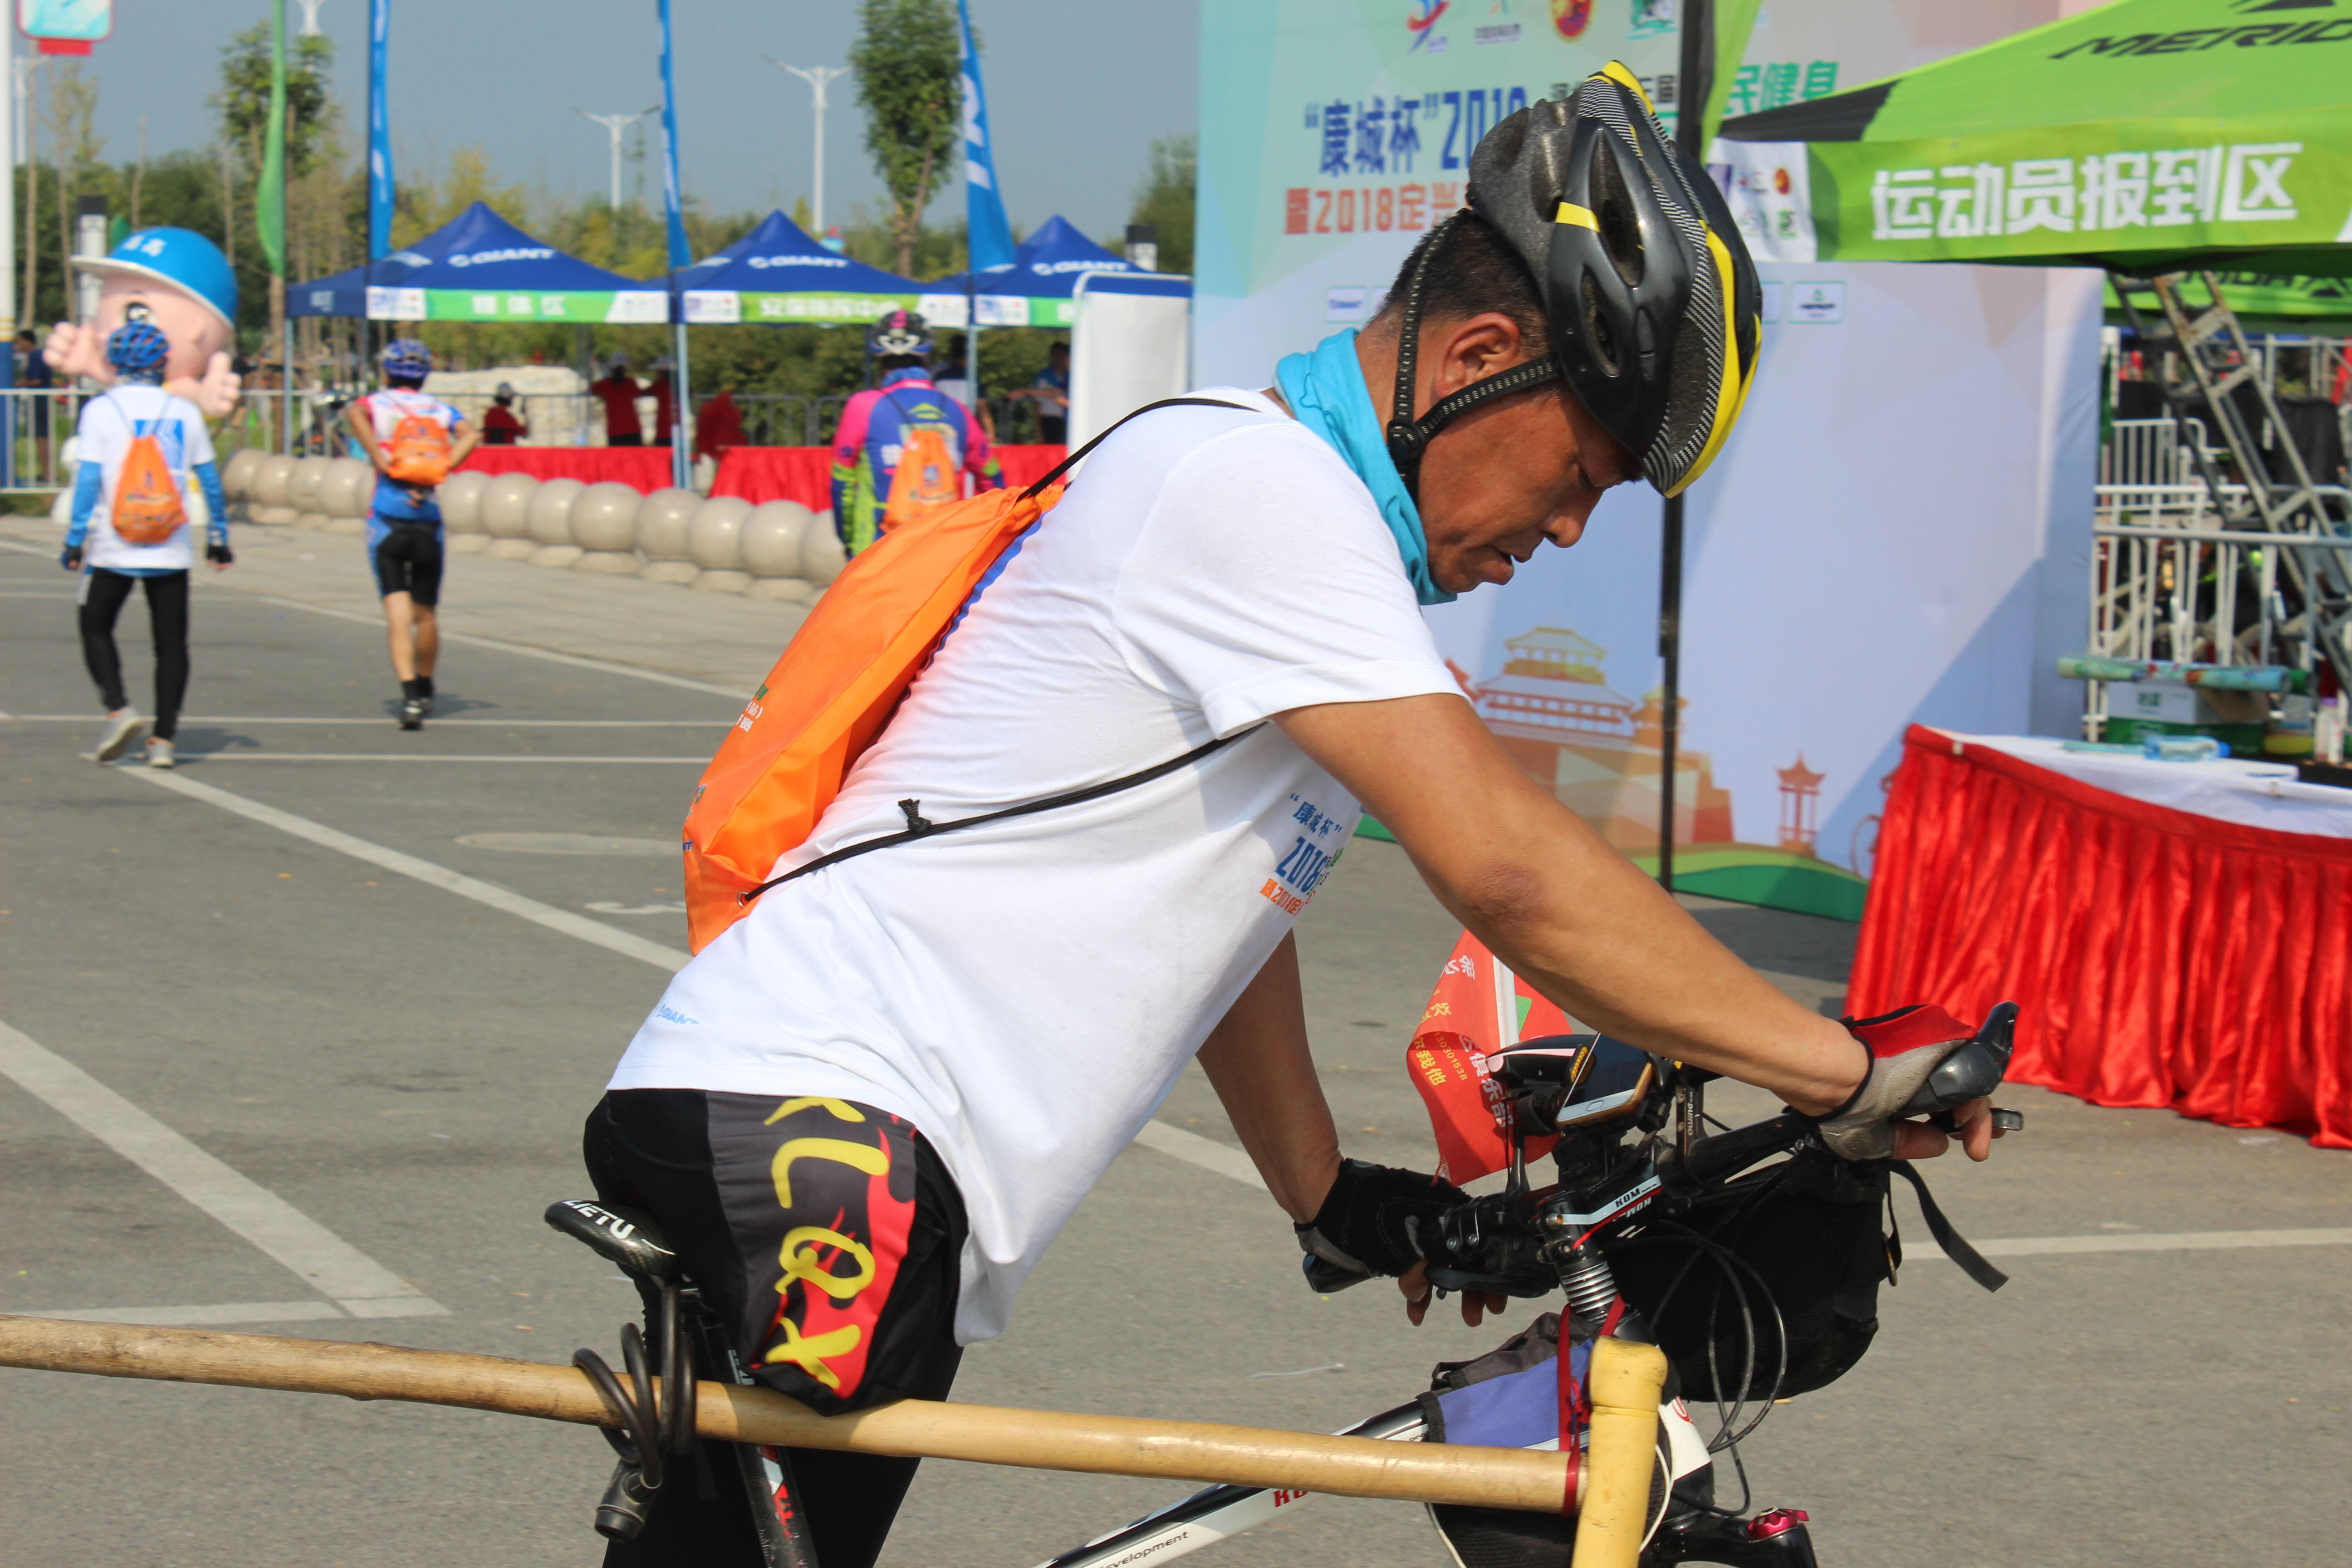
column 1571, row 17
column 1424, row 16
column 1653, row 18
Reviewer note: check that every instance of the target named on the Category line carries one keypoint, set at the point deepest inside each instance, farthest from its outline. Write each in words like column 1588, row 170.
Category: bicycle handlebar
column 1716, row 1160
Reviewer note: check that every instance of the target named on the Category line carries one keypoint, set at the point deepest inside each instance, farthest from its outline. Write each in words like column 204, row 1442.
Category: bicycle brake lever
column 1971, row 1071
column 1325, row 1278
column 2002, row 1121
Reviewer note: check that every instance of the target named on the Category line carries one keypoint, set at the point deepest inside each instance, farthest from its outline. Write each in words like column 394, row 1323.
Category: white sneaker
column 162, row 754
column 122, row 727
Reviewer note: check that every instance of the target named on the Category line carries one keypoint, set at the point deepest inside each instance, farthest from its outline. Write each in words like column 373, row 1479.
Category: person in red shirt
column 501, row 426
column 717, row 426
column 618, row 391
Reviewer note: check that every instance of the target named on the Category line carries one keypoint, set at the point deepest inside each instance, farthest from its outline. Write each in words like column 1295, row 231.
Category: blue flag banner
column 380, row 191
column 990, row 237
column 679, row 255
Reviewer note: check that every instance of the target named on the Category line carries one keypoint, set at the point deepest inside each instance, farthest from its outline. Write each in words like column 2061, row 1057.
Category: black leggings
column 103, row 594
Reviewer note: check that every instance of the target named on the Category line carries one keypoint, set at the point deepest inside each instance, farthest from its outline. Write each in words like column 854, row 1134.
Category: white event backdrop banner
column 1898, row 532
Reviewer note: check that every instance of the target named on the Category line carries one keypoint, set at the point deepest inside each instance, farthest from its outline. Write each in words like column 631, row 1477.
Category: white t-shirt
column 1026, row 993
column 103, row 436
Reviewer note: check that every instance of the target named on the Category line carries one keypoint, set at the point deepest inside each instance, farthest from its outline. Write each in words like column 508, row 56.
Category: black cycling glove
column 1376, row 1217
column 70, row 558
column 218, row 553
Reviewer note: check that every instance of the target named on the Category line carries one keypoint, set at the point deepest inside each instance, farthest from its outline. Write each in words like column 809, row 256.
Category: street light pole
column 613, row 125
column 816, row 77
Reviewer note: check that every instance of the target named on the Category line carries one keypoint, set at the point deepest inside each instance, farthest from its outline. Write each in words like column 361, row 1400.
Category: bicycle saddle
column 625, row 1238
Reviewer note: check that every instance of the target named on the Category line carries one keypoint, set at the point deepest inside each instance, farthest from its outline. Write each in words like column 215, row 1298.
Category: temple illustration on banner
column 1599, row 751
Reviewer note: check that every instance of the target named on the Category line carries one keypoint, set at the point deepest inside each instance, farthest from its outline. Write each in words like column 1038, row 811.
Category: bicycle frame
column 1219, row 1514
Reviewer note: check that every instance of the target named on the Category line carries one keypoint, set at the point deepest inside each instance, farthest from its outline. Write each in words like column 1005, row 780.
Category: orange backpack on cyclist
column 927, row 479
column 147, row 505
column 836, row 685
column 418, row 452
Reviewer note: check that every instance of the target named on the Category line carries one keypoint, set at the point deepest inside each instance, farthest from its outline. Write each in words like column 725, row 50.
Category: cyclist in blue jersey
column 404, row 537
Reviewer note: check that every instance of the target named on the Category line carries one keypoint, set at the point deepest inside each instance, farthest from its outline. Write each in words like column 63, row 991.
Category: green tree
column 75, row 146
column 243, row 100
column 905, row 60
column 1164, row 200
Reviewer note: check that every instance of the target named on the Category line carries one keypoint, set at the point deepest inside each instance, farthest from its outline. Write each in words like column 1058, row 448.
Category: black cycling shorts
column 829, row 1239
column 407, row 558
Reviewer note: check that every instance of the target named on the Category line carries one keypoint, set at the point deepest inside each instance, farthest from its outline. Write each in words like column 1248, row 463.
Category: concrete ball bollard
column 461, row 512
column 822, row 555
column 663, row 519
column 361, row 476
column 345, row 492
column 772, row 538
column 506, row 517
column 548, row 521
column 236, row 480
column 269, row 505
column 302, row 483
column 715, row 538
column 605, row 525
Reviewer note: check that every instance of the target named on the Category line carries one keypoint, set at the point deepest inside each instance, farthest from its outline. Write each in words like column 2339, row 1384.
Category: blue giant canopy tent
column 477, row 267
column 1034, row 292
column 778, row 274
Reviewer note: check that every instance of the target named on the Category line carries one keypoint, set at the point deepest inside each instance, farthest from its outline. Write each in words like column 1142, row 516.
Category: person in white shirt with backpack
column 1043, row 847
column 138, row 448
column 415, row 442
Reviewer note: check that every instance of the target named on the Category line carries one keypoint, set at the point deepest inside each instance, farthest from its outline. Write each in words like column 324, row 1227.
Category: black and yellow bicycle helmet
column 1652, row 298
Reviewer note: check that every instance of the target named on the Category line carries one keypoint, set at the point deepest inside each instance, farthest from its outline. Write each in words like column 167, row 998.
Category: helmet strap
column 1409, row 437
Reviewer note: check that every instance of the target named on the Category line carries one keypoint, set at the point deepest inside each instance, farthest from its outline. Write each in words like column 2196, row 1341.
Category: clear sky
column 1076, row 88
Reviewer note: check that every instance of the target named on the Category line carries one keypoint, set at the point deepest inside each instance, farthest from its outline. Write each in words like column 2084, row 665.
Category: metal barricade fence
column 2167, row 582
column 36, row 424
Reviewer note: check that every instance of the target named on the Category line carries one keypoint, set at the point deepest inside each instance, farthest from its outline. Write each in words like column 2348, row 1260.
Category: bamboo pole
column 1626, row 1379
column 1036, row 1439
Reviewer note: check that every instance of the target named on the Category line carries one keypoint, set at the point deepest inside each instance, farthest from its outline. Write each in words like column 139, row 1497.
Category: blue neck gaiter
column 1326, row 390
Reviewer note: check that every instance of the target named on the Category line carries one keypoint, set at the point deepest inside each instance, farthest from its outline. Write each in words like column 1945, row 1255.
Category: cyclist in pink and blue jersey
column 868, row 445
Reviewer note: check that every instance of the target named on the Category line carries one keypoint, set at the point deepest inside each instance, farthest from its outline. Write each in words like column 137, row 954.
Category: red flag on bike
column 1479, row 1007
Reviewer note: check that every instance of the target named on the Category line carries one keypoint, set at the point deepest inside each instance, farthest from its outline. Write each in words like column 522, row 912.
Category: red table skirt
column 2159, row 958
column 805, row 474
column 645, row 469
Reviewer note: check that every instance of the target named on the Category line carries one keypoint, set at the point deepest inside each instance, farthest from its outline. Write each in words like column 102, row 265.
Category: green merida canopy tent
column 2143, row 136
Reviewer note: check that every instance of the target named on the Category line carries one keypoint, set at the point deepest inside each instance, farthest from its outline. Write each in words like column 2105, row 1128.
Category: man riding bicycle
column 864, row 1111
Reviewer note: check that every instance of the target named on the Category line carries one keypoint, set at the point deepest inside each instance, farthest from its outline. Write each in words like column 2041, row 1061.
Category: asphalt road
column 352, row 1075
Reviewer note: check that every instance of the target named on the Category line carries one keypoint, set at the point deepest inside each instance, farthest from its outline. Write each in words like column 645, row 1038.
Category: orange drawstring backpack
column 418, row 452
column 836, row 687
column 147, row 507
column 926, row 480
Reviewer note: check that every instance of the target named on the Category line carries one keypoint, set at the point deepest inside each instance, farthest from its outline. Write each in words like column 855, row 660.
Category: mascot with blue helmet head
column 177, row 282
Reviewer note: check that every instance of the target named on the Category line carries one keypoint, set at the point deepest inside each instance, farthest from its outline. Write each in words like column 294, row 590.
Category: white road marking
column 238, row 756
column 374, row 719
column 1206, row 1152
column 608, row 937
column 357, row 1283
column 2178, row 1241
column 604, row 666
column 199, row 1317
